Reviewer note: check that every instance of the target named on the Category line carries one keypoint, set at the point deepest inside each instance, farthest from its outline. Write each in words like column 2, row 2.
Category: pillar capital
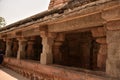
column 22, row 39
column 47, row 34
column 60, row 37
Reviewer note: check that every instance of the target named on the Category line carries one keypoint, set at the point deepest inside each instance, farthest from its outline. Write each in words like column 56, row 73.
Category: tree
column 2, row 22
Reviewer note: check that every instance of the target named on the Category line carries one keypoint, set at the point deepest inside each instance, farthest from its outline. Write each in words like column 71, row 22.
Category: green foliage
column 2, row 22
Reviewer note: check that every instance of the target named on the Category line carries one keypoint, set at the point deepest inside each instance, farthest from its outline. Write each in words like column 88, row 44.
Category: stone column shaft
column 113, row 58
column 57, row 45
column 113, row 41
column 30, row 50
column 101, row 57
column 8, row 48
column 21, row 50
column 15, row 48
column 47, row 42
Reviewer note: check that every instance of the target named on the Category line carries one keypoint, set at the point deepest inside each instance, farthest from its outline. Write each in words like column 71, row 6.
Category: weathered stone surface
column 15, row 48
column 57, row 55
column 8, row 48
column 112, row 13
column 57, row 3
column 101, row 58
column 47, row 42
column 113, row 68
column 98, row 32
column 113, row 36
column 113, row 58
column 21, row 50
column 51, row 72
column 113, row 25
column 69, row 20
column 30, row 49
column 101, row 40
column 76, row 23
column 113, row 51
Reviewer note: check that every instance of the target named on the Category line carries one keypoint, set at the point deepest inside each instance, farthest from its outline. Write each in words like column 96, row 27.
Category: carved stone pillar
column 112, row 17
column 113, row 41
column 100, row 35
column 57, row 55
column 21, row 50
column 8, row 48
column 30, row 48
column 102, row 55
column 15, row 48
column 47, row 42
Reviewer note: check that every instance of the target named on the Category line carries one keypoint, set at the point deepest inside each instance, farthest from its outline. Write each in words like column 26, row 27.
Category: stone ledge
column 37, row 70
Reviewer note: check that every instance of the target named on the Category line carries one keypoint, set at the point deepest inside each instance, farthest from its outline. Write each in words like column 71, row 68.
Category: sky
column 15, row 10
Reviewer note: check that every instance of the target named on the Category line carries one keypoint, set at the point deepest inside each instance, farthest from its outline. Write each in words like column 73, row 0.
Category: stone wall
column 36, row 71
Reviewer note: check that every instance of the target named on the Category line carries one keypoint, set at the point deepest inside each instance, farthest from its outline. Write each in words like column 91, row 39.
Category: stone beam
column 80, row 22
column 30, row 32
column 111, row 13
column 33, row 31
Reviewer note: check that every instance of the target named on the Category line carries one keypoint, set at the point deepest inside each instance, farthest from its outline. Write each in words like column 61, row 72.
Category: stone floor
column 7, row 74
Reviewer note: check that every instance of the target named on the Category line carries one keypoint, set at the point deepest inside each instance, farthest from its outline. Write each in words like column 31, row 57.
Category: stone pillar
column 8, row 47
column 113, row 41
column 112, row 17
column 15, row 48
column 102, row 53
column 57, row 55
column 47, row 42
column 100, row 35
column 30, row 48
column 21, row 50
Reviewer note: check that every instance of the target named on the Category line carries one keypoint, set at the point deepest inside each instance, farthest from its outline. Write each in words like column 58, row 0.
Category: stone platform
column 7, row 74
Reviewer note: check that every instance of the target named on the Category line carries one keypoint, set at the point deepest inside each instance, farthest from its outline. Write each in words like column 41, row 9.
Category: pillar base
column 46, row 58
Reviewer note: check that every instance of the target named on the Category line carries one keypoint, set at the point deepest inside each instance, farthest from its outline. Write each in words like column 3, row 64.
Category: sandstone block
column 101, row 40
column 101, row 58
column 113, row 36
column 98, row 32
column 113, row 25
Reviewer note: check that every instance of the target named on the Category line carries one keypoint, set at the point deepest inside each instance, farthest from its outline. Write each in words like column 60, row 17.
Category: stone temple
column 72, row 40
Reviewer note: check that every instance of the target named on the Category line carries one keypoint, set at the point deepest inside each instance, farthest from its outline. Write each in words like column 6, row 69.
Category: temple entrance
column 79, row 50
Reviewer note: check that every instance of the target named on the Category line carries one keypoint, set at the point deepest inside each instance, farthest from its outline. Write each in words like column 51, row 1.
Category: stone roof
column 55, row 13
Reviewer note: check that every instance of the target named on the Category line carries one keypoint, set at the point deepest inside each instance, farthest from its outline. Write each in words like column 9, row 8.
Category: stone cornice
column 46, row 16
